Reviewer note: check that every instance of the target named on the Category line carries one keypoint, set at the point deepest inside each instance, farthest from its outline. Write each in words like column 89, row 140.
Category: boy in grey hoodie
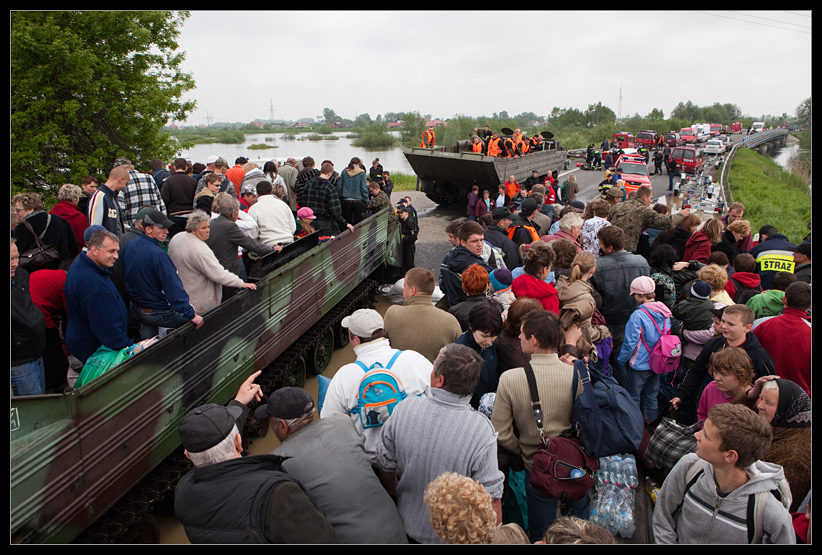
column 723, row 493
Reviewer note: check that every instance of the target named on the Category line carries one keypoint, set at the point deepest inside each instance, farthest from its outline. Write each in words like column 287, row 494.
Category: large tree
column 87, row 87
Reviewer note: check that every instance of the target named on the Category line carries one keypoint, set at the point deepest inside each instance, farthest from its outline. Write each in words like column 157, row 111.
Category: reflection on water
column 339, row 151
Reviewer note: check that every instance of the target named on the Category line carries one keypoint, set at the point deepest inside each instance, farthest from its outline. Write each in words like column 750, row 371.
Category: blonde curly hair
column 713, row 275
column 460, row 510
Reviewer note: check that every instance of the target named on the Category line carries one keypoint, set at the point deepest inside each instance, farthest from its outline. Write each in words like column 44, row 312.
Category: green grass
column 770, row 194
column 404, row 181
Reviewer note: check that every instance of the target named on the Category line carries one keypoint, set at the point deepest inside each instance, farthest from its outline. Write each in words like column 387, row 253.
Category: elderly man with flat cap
column 327, row 457
column 228, row 498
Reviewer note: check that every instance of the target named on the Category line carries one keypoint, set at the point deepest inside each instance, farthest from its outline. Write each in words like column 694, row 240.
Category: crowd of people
column 567, row 288
column 114, row 265
column 536, row 279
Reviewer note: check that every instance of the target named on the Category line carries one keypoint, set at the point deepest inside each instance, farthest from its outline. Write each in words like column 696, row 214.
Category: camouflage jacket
column 633, row 217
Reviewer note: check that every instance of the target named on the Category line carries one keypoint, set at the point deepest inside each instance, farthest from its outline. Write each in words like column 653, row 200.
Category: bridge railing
column 751, row 141
column 763, row 136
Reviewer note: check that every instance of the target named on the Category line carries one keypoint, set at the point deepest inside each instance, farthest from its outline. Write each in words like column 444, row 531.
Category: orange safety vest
column 511, row 189
column 533, row 232
column 427, row 139
column 477, row 147
column 523, row 147
column 510, row 147
column 494, row 148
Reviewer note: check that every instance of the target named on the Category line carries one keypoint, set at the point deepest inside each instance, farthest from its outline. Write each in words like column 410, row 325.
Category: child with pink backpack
column 649, row 348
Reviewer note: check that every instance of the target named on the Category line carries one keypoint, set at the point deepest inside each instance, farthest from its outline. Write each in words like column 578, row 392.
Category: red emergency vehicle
column 689, row 159
column 689, row 135
column 623, row 139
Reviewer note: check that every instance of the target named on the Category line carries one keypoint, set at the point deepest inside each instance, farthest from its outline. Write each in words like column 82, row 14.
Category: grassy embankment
column 771, row 195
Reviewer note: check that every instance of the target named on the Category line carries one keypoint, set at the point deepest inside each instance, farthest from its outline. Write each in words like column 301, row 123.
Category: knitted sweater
column 417, row 443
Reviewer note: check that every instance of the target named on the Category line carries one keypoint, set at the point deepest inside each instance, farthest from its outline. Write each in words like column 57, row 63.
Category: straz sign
column 776, row 263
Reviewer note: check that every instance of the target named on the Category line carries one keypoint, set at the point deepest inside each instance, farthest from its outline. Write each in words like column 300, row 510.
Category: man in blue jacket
column 96, row 313
column 158, row 298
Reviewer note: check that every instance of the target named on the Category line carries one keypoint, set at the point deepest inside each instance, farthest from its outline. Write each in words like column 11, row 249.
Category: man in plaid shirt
column 140, row 192
column 324, row 200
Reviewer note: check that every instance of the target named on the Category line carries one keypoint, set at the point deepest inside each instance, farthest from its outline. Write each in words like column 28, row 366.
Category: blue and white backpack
column 378, row 394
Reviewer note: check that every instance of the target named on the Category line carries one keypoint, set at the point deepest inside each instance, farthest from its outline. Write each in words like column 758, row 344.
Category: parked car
column 648, row 139
column 689, row 159
column 715, row 146
column 634, row 171
column 672, row 138
column 623, row 139
column 688, row 135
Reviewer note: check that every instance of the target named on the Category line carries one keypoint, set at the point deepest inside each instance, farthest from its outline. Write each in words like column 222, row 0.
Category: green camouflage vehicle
column 90, row 464
column 447, row 174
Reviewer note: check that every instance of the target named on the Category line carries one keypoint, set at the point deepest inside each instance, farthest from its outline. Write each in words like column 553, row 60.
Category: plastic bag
column 103, row 360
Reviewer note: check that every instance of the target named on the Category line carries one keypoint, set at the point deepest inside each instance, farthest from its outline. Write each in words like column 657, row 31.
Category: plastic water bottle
column 629, row 472
column 625, row 520
column 617, row 470
column 603, row 475
column 608, row 508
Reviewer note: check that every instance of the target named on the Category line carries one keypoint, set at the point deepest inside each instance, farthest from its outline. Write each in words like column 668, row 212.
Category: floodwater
column 339, row 151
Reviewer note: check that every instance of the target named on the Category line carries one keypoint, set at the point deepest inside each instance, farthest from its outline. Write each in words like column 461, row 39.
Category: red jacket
column 698, row 247
column 746, row 279
column 481, row 209
column 529, row 286
column 787, row 338
column 76, row 219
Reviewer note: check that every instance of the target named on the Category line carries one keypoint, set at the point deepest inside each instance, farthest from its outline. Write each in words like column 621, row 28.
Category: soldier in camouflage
column 633, row 217
column 379, row 200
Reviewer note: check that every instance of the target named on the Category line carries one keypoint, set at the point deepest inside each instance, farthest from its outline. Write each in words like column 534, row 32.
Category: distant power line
column 763, row 24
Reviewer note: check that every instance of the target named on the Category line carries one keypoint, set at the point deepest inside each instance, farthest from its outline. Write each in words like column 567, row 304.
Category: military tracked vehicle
column 447, row 174
column 90, row 464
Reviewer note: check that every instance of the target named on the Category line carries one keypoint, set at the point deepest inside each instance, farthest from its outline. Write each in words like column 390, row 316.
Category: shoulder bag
column 562, row 468
column 40, row 255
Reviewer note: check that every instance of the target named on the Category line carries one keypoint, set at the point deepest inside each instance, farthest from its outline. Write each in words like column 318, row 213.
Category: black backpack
column 743, row 294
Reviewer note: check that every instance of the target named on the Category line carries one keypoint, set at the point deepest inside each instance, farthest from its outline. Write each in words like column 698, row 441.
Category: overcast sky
column 477, row 63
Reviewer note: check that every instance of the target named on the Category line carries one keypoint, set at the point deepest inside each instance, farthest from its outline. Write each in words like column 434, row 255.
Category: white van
column 757, row 126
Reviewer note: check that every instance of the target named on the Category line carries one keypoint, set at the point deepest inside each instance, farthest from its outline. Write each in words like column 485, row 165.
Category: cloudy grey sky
column 475, row 63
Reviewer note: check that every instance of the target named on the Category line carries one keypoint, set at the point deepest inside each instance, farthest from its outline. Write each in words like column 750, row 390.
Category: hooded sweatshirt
column 353, row 185
column 745, row 279
column 709, row 519
column 527, row 285
column 641, row 328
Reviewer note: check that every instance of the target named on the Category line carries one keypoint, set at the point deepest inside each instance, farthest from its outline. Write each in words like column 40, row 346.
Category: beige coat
column 576, row 303
column 420, row 326
column 201, row 273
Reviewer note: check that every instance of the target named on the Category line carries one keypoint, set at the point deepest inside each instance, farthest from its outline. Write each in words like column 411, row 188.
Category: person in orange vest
column 523, row 147
column 428, row 138
column 494, row 146
column 509, row 147
column 512, row 188
column 477, row 145
column 535, row 143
